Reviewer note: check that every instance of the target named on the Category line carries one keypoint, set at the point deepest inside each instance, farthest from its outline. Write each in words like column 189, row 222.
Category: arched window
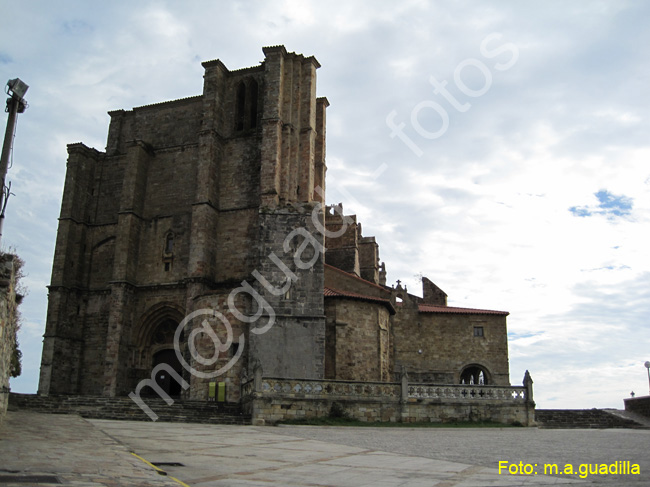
column 164, row 333
column 169, row 243
column 474, row 375
column 168, row 251
column 240, row 108
column 253, row 90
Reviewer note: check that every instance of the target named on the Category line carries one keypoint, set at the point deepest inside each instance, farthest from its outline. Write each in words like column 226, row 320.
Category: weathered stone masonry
column 188, row 199
column 195, row 199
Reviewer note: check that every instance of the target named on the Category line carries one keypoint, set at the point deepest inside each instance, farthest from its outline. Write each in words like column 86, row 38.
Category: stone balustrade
column 464, row 392
column 272, row 386
column 279, row 387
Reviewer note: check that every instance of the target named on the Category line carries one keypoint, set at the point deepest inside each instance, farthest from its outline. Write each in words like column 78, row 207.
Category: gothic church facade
column 213, row 207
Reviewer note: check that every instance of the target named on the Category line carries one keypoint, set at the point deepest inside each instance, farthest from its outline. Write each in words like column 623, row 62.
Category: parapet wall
column 639, row 405
column 270, row 400
column 8, row 325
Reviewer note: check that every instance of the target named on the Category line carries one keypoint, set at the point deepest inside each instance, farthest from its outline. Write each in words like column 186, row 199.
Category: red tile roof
column 353, row 276
column 427, row 308
column 328, row 292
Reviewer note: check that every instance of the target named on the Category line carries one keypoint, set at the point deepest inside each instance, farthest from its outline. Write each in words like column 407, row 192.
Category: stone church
column 209, row 212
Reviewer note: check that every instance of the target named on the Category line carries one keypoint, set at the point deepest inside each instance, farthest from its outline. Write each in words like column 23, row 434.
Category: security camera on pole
column 16, row 104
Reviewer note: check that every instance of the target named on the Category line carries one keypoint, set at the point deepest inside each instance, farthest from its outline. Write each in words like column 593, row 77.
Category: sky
column 499, row 148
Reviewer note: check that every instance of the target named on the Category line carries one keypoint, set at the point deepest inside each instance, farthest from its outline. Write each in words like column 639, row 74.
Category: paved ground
column 98, row 453
column 72, row 449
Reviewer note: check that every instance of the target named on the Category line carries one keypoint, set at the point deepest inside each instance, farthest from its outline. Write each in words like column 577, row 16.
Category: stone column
column 530, row 403
column 320, row 167
column 404, row 398
column 272, row 126
column 127, row 245
column 308, row 135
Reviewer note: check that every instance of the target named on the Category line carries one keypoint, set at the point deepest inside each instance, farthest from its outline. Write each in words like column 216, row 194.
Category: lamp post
column 16, row 104
column 647, row 366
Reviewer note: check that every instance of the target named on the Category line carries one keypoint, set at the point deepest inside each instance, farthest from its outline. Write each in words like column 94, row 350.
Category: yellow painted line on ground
column 179, row 481
column 160, row 470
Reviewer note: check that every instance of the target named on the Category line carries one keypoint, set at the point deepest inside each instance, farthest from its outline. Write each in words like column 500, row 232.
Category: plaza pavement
column 93, row 453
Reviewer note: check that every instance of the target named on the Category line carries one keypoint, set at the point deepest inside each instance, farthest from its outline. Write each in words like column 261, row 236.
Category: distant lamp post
column 647, row 366
column 16, row 104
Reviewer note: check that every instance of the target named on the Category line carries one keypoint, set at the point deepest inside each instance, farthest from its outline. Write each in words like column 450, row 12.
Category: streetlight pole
column 647, row 366
column 15, row 104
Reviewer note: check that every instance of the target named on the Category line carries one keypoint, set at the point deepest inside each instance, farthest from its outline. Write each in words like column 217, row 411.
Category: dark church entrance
column 163, row 378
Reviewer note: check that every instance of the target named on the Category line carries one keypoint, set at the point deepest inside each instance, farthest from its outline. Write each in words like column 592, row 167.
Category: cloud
column 609, row 205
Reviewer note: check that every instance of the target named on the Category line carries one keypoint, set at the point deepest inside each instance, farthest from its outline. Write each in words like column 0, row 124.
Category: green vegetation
column 15, row 367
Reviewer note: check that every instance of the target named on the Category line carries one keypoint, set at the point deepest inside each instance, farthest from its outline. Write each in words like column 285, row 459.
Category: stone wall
column 438, row 344
column 639, row 405
column 343, row 241
column 8, row 324
column 358, row 335
column 288, row 340
column 230, row 362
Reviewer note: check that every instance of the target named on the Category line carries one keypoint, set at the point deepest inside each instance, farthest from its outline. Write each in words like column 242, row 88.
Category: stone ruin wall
column 9, row 300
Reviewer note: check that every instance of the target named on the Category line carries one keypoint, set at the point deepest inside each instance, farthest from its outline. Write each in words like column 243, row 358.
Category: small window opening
column 253, row 89
column 167, row 266
column 478, row 331
column 240, row 107
column 169, row 243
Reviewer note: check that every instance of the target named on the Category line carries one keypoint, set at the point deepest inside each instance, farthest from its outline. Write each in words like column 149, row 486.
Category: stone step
column 123, row 408
column 582, row 418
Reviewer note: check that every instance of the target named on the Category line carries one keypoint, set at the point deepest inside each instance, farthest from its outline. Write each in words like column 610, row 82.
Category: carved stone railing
column 464, row 392
column 279, row 387
column 272, row 386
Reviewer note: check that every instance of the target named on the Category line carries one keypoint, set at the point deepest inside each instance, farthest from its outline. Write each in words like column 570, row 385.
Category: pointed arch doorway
column 156, row 346
column 163, row 352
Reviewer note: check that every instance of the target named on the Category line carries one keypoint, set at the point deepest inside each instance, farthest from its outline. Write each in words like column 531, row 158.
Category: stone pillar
column 307, row 154
column 257, row 378
column 119, row 325
column 205, row 209
column 320, row 167
column 528, row 384
column 404, row 398
column 63, row 338
column 127, row 246
column 530, row 403
column 272, row 126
